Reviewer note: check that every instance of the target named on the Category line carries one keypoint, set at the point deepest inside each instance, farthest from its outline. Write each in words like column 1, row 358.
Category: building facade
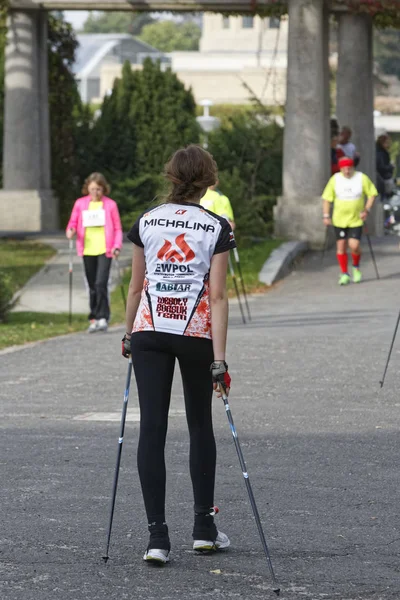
column 238, row 57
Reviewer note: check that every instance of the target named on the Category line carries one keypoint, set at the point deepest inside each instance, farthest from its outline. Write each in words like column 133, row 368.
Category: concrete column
column 26, row 200
column 355, row 94
column 44, row 113
column 298, row 214
column 21, row 104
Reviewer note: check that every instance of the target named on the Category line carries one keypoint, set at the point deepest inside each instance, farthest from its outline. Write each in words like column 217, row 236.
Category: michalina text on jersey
column 179, row 241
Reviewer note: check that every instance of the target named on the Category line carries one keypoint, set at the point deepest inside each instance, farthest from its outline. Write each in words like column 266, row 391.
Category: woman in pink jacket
column 96, row 222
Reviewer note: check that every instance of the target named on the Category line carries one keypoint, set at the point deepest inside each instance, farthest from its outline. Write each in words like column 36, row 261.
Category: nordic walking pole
column 121, row 282
column 326, row 244
column 236, row 288
column 372, row 254
column 120, row 442
column 236, row 255
column 222, row 389
column 390, row 351
column 70, row 271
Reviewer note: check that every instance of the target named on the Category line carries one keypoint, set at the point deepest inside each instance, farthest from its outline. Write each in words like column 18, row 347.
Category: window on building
column 274, row 22
column 247, row 22
column 225, row 22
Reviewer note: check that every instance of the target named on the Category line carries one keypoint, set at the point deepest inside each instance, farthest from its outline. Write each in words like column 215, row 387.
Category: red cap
column 346, row 162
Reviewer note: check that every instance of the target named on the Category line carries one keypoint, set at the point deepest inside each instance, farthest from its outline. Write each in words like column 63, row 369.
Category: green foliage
column 6, row 294
column 386, row 13
column 148, row 115
column 248, row 151
column 163, row 114
column 116, row 22
column 168, row 36
column 386, row 50
column 114, row 137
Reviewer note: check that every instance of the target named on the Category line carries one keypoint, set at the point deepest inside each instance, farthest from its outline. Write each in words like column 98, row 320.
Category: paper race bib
column 94, row 218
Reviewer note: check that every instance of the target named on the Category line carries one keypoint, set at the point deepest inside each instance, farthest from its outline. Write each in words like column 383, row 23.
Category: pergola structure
column 26, row 199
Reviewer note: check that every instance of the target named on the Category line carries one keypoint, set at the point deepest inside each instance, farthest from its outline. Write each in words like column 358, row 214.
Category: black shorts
column 343, row 233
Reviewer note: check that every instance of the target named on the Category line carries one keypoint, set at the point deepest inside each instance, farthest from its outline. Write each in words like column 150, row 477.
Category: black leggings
column 153, row 356
column 97, row 271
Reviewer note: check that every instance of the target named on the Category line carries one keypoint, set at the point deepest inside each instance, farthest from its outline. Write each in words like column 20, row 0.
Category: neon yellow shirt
column 348, row 196
column 217, row 203
column 95, row 237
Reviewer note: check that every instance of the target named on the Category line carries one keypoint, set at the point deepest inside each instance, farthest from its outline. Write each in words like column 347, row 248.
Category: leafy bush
column 6, row 294
column 248, row 150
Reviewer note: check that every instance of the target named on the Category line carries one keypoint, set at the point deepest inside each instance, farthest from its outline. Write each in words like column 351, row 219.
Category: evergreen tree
column 114, row 136
column 163, row 114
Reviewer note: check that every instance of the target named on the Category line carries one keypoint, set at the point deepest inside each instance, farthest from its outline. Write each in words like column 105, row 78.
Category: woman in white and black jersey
column 178, row 309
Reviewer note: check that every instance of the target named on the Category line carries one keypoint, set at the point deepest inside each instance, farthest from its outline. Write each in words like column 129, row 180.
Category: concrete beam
column 141, row 5
column 149, row 5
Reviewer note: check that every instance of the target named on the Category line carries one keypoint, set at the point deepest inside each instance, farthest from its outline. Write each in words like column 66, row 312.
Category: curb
column 281, row 260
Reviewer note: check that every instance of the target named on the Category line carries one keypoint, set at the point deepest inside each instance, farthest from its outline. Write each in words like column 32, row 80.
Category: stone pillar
column 355, row 95
column 306, row 161
column 26, row 200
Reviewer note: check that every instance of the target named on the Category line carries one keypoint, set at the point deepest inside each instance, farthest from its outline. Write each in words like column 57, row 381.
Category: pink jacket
column 113, row 228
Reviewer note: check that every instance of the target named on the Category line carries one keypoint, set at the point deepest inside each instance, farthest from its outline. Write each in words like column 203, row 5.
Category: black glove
column 126, row 346
column 220, row 375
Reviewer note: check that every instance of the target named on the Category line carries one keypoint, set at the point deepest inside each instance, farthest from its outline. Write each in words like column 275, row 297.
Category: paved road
column 320, row 439
column 48, row 290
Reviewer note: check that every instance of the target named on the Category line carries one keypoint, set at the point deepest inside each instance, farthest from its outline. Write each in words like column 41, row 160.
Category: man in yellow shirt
column 347, row 191
column 218, row 204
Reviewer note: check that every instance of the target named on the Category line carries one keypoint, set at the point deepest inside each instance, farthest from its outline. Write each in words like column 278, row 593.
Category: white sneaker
column 157, row 556
column 102, row 324
column 221, row 542
column 93, row 327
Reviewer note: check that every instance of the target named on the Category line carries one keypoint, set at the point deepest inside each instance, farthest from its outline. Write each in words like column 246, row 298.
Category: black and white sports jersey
column 179, row 241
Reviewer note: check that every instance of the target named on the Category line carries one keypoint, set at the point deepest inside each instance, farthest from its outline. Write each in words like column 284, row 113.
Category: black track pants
column 97, row 271
column 153, row 356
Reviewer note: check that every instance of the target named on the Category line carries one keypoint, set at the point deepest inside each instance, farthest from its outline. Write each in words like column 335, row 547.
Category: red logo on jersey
column 181, row 211
column 182, row 252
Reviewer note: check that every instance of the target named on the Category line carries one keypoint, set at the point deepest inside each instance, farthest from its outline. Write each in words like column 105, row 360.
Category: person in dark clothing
column 336, row 154
column 384, row 168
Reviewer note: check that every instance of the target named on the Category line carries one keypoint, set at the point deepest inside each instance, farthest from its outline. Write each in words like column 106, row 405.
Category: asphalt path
column 320, row 439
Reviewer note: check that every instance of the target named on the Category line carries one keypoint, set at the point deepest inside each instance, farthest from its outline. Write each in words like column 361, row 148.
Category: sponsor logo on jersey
column 179, row 252
column 172, row 308
column 231, row 236
column 181, row 211
column 178, row 224
column 173, row 287
column 168, row 269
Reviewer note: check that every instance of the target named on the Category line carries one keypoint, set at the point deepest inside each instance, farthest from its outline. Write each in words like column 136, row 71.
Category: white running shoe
column 94, row 326
column 102, row 324
column 156, row 556
column 221, row 542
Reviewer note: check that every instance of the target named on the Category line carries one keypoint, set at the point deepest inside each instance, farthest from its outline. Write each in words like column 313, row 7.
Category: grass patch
column 22, row 259
column 24, row 327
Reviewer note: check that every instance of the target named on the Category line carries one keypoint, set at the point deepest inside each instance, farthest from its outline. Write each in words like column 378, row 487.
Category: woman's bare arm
column 135, row 286
column 219, row 303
